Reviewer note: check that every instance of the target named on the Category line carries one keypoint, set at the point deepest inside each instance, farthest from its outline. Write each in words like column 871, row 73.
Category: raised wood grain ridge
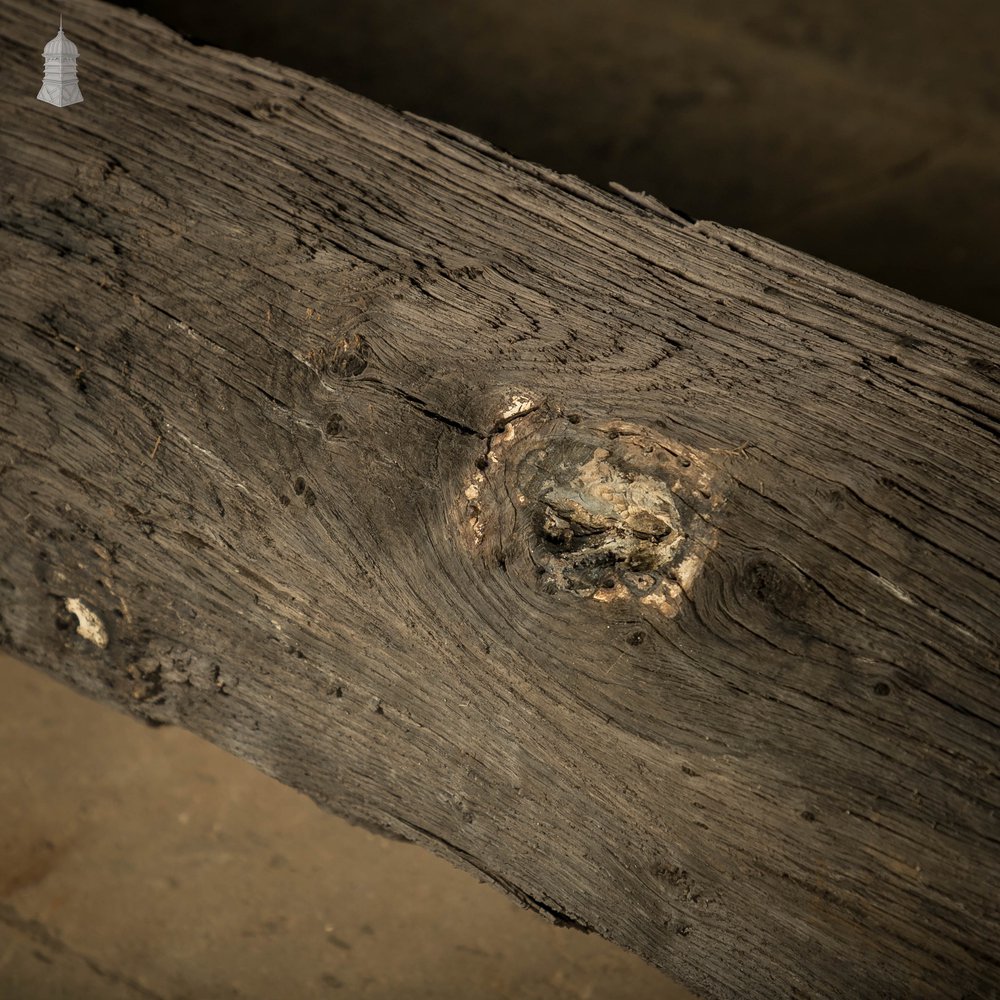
column 644, row 566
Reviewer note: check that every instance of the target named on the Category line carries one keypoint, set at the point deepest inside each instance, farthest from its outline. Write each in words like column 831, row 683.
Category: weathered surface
column 866, row 134
column 644, row 566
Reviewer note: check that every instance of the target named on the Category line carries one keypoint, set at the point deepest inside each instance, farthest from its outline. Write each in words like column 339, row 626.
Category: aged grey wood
column 643, row 566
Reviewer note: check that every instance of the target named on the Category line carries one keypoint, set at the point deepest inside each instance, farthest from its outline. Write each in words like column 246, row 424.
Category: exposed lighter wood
column 646, row 567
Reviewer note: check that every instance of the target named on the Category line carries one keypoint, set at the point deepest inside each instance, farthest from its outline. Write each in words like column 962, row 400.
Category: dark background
column 867, row 133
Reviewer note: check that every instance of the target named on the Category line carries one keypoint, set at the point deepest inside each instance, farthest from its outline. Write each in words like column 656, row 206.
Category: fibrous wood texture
column 641, row 565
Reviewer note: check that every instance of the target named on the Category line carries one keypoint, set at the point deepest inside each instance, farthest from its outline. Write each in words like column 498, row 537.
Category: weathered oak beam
column 643, row 566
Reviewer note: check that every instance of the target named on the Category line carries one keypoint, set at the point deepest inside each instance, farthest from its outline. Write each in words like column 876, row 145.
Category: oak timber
column 643, row 566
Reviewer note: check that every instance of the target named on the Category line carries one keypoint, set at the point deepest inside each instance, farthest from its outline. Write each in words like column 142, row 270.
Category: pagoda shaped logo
column 59, row 85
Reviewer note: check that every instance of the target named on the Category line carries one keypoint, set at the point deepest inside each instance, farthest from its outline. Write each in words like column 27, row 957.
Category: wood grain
column 641, row 565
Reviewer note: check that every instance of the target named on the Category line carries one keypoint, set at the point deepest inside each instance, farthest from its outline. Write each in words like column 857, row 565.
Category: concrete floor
column 139, row 862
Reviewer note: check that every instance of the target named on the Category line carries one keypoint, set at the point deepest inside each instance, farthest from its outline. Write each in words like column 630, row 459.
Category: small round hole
column 299, row 486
